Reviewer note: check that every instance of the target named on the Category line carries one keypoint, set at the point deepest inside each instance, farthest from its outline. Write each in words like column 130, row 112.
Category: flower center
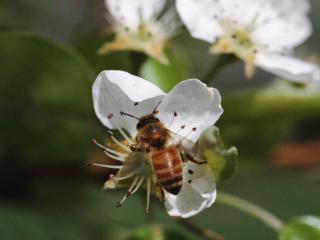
column 134, row 171
column 237, row 41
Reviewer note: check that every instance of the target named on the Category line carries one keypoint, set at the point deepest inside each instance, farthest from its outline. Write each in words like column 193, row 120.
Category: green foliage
column 113, row 61
column 45, row 98
column 281, row 100
column 222, row 161
column 157, row 232
column 149, row 232
column 20, row 14
column 167, row 76
column 301, row 228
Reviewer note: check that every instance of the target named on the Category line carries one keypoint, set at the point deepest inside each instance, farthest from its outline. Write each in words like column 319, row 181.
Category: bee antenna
column 155, row 108
column 127, row 114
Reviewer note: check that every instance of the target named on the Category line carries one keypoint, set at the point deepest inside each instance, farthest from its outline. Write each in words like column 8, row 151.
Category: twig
column 268, row 218
column 205, row 233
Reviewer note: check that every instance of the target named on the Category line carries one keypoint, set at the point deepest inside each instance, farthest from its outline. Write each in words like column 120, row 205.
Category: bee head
column 147, row 120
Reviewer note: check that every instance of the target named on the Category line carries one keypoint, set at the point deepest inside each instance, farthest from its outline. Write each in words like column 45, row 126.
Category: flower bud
column 222, row 161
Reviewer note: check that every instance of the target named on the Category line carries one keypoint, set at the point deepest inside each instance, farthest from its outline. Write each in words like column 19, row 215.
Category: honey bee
column 166, row 157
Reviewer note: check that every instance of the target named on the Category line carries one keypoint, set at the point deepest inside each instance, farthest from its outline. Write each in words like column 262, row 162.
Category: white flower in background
column 140, row 26
column 262, row 33
column 185, row 111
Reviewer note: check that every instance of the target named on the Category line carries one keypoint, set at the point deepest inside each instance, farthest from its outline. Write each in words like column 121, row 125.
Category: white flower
column 140, row 26
column 261, row 32
column 190, row 104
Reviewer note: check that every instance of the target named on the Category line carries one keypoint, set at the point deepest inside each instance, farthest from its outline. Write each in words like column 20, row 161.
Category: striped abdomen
column 167, row 166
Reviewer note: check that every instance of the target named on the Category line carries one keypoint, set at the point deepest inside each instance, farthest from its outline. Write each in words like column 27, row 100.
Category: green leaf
column 166, row 76
column 301, row 228
column 45, row 99
column 222, row 161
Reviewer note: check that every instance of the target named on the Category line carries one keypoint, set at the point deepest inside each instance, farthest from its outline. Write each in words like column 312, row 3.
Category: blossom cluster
column 263, row 33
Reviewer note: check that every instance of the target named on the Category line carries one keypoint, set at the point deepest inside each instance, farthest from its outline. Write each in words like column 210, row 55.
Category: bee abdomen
column 172, row 185
column 167, row 166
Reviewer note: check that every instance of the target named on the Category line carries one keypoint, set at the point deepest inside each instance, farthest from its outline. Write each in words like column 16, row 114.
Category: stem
column 219, row 62
column 199, row 231
column 268, row 218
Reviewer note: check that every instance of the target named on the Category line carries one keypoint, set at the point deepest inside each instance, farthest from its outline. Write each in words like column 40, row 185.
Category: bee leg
column 191, row 158
column 161, row 192
column 162, row 195
column 134, row 148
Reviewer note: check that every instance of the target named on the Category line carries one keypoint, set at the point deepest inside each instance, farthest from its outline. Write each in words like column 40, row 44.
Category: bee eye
column 140, row 125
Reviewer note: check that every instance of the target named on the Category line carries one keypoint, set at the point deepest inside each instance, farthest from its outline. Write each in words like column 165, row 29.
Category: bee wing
column 183, row 142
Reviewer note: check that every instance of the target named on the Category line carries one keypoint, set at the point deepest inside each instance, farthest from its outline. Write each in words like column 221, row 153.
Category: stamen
column 124, row 147
column 175, row 114
column 118, row 154
column 105, row 165
column 192, row 131
column 127, row 176
column 125, row 136
column 171, row 22
column 128, row 193
column 148, row 194
column 181, row 128
column 121, row 159
column 138, row 185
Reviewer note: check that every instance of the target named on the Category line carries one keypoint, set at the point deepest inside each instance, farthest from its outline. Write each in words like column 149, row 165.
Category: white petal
column 115, row 91
column 194, row 196
column 196, row 106
column 242, row 12
column 130, row 12
column 289, row 67
column 198, row 16
column 282, row 32
column 294, row 6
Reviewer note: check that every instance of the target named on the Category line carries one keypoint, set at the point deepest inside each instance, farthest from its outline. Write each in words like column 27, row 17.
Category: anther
column 110, row 115
column 194, row 129
column 175, row 114
column 119, row 205
column 182, row 126
column 89, row 164
column 110, row 133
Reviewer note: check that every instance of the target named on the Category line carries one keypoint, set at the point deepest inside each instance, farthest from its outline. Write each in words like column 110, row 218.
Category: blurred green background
column 48, row 63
